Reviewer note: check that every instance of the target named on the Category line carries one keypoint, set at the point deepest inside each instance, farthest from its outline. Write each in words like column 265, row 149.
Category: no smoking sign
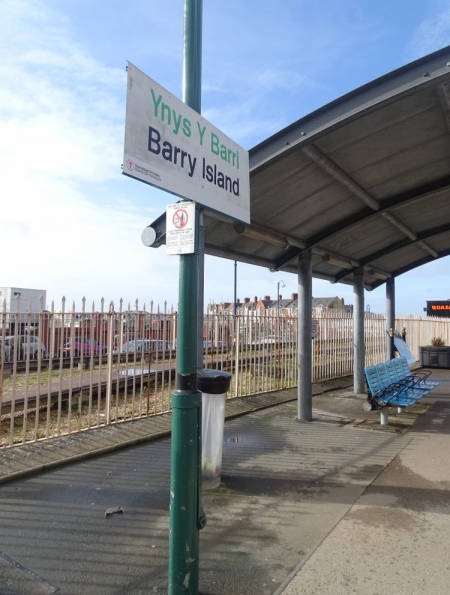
column 180, row 231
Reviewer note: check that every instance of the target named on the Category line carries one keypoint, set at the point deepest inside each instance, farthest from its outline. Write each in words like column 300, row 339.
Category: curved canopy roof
column 362, row 182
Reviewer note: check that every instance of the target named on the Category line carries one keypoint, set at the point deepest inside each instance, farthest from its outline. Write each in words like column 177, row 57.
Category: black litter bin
column 213, row 384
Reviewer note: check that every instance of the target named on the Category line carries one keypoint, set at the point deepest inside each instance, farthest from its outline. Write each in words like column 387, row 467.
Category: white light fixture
column 338, row 261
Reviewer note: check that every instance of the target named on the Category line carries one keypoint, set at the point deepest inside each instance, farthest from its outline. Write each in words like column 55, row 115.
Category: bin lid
column 213, row 382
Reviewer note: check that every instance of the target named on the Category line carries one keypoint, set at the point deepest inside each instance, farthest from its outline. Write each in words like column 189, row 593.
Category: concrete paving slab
column 284, row 485
column 302, row 508
column 18, row 580
column 396, row 537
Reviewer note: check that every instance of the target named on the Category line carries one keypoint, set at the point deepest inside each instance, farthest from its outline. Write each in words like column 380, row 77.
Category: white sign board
column 180, row 228
column 169, row 145
column 314, row 329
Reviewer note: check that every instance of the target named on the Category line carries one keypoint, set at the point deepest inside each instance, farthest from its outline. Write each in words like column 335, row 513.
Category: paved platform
column 25, row 460
column 338, row 505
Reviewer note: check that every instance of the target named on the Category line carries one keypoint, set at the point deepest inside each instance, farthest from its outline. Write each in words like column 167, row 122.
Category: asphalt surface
column 338, row 505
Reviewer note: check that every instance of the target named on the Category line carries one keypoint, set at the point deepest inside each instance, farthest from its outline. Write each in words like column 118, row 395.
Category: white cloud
column 67, row 223
column 58, row 110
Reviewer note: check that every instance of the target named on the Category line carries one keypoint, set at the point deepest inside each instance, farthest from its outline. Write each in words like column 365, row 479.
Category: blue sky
column 71, row 223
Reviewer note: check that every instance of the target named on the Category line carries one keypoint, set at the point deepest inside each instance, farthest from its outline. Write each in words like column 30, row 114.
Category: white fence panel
column 421, row 329
column 67, row 370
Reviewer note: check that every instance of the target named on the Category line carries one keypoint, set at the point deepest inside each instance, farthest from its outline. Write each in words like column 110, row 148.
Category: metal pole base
column 384, row 416
column 186, row 515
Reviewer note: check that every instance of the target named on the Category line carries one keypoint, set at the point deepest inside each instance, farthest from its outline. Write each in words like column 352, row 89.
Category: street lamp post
column 278, row 295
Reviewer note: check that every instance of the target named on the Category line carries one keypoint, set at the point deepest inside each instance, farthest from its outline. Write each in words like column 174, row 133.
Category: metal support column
column 359, row 386
column 186, row 514
column 304, row 337
column 390, row 317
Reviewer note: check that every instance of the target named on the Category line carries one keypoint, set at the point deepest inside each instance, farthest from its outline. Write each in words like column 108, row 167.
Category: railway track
column 61, row 391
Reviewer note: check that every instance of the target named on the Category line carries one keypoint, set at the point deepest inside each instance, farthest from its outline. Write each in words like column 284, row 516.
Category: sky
column 71, row 223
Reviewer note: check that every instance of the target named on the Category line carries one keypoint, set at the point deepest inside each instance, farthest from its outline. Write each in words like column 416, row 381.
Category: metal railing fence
column 421, row 329
column 67, row 370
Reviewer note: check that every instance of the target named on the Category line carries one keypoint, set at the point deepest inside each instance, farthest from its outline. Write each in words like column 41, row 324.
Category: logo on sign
column 180, row 219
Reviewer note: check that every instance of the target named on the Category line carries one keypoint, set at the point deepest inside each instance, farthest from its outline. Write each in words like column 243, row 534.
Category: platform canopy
column 363, row 182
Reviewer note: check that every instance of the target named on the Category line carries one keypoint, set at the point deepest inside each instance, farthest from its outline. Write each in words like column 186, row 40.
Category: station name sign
column 438, row 308
column 170, row 146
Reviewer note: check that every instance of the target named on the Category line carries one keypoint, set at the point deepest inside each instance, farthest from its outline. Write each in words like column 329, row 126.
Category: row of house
column 57, row 328
column 286, row 307
column 21, row 300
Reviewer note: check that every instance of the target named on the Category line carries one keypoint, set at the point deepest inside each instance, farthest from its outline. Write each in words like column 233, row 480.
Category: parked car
column 223, row 345
column 142, row 346
column 23, row 343
column 85, row 347
column 207, row 345
column 135, row 346
column 6, row 351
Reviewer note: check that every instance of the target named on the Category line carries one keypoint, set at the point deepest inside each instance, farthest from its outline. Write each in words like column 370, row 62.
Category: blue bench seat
column 393, row 384
column 384, row 393
column 420, row 378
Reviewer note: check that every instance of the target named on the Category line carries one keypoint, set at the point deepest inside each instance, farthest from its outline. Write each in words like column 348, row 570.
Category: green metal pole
column 192, row 54
column 186, row 515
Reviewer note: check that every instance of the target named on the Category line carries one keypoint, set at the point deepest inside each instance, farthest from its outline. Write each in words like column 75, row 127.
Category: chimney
column 238, row 301
column 280, row 297
column 246, row 300
column 342, row 300
column 267, row 298
column 255, row 299
column 294, row 296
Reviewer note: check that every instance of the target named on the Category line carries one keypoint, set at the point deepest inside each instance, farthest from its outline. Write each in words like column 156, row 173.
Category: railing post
column 109, row 363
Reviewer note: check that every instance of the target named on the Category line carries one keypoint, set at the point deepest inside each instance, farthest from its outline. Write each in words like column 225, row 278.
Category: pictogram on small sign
column 180, row 218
